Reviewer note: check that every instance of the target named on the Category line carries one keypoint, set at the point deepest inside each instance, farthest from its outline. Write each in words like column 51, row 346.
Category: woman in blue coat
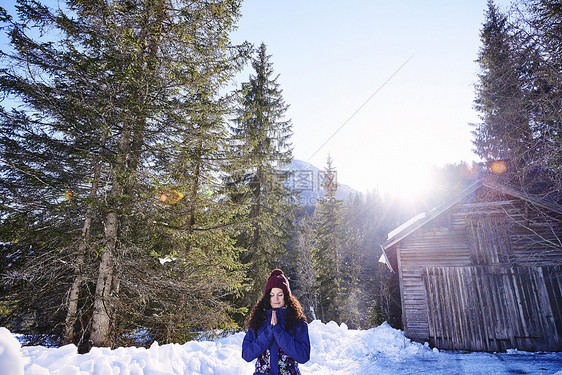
column 277, row 331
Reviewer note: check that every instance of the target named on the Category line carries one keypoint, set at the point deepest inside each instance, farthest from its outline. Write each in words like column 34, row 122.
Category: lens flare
column 170, row 196
column 498, row 166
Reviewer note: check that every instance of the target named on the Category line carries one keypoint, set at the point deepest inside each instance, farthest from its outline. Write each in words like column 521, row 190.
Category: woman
column 277, row 331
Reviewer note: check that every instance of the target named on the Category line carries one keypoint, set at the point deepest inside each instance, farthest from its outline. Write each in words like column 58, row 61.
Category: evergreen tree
column 51, row 146
column 305, row 282
column 357, row 262
column 541, row 51
column 195, row 227
column 380, row 286
column 263, row 148
column 98, row 104
column 518, row 96
column 504, row 134
column 328, row 249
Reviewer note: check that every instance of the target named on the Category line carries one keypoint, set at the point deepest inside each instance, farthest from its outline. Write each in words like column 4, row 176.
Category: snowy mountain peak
column 307, row 180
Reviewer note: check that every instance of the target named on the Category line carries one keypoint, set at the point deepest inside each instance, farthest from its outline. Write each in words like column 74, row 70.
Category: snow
column 384, row 260
column 11, row 358
column 166, row 260
column 336, row 350
column 406, row 225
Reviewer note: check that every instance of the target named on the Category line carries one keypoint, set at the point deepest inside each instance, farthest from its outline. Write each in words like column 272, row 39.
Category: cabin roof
column 410, row 226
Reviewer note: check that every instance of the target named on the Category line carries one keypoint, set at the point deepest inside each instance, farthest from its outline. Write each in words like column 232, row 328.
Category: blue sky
column 333, row 55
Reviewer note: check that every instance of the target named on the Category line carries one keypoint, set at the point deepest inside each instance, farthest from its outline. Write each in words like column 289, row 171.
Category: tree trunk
column 74, row 293
column 72, row 304
column 103, row 306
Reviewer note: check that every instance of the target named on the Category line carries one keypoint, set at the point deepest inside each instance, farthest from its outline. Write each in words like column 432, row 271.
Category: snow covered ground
column 335, row 350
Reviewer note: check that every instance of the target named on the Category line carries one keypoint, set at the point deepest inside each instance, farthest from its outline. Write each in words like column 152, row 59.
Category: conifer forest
column 144, row 195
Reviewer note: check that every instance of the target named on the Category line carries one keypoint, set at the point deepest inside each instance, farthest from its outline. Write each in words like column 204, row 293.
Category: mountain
column 306, row 179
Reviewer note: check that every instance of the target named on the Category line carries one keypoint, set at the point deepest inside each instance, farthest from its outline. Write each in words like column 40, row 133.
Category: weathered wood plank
column 478, row 277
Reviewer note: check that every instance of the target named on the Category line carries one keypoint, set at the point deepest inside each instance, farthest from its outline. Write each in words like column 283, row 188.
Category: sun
column 406, row 180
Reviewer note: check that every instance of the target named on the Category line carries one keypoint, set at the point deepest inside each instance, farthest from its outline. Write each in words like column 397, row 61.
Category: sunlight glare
column 407, row 181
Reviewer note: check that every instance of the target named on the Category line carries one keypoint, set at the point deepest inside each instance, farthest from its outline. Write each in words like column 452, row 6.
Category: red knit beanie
column 278, row 280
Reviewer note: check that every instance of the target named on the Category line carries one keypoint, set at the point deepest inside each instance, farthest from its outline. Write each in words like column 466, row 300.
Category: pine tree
column 305, row 282
column 355, row 257
column 96, row 106
column 541, row 51
column 195, row 224
column 372, row 218
column 263, row 148
column 504, row 134
column 51, row 146
column 518, row 96
column 328, row 249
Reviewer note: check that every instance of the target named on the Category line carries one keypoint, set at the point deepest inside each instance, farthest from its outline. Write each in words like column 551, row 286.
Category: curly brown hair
column 295, row 312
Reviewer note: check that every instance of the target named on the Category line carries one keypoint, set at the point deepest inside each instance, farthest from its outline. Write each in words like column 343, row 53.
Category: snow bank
column 336, row 350
column 11, row 359
column 219, row 358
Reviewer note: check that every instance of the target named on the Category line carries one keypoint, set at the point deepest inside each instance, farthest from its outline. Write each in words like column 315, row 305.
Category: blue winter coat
column 274, row 345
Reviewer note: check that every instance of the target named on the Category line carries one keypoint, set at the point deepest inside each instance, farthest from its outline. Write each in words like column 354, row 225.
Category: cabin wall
column 435, row 246
column 484, row 276
column 493, row 308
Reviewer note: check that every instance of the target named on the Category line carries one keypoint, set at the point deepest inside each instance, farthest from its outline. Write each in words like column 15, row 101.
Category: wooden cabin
column 482, row 272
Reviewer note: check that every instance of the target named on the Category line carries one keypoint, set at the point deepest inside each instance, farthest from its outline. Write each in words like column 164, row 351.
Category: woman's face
column 276, row 298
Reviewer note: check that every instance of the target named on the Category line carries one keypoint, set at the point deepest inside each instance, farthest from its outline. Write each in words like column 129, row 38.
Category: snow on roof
column 413, row 220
